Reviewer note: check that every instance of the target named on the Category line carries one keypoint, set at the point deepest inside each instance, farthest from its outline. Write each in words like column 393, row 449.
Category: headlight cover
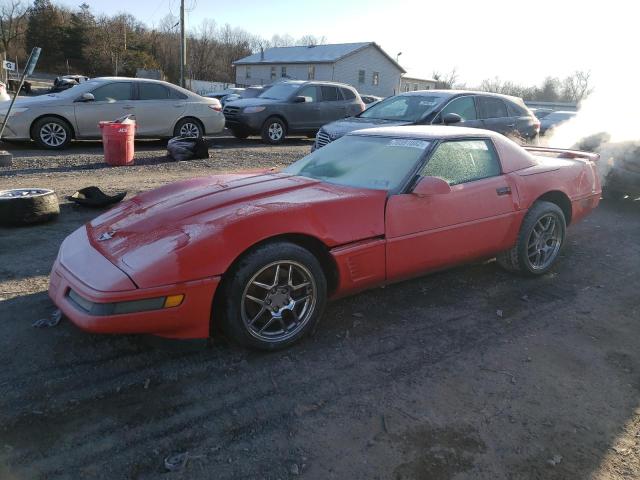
column 253, row 109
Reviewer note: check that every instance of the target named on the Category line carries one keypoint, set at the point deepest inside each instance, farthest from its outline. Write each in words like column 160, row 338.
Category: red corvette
column 261, row 253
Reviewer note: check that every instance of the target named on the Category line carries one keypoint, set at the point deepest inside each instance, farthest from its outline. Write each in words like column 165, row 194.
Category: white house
column 410, row 84
column 363, row 65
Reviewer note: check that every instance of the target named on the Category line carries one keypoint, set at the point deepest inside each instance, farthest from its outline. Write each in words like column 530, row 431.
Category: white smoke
column 606, row 123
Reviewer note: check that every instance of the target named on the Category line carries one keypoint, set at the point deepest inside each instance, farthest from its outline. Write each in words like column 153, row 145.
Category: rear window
column 348, row 94
column 516, row 110
column 491, row 107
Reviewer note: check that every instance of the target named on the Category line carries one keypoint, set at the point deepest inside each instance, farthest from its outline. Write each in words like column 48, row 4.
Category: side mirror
column 431, row 186
column 87, row 97
column 299, row 99
column 451, row 118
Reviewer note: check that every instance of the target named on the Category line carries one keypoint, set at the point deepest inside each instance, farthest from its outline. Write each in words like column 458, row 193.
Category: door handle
column 503, row 191
column 511, row 125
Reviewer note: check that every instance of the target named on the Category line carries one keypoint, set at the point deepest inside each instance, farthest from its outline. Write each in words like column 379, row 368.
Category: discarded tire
column 25, row 206
column 5, row 158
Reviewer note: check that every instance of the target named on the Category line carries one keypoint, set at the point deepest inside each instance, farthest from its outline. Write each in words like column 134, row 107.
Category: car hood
column 195, row 229
column 252, row 102
column 341, row 127
column 40, row 100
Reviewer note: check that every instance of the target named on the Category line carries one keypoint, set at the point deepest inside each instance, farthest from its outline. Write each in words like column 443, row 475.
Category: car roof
column 426, row 132
column 314, row 82
column 452, row 93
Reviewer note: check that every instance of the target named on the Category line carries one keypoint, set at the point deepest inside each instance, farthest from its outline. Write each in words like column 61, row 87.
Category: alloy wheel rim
column 278, row 301
column 189, row 130
column 544, row 242
column 275, row 131
column 53, row 134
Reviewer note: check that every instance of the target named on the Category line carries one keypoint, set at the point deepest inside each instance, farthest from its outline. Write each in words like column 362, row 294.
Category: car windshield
column 378, row 163
column 281, row 91
column 407, row 108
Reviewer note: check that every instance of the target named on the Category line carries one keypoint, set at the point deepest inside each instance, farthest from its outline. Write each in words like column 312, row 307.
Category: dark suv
column 501, row 113
column 291, row 107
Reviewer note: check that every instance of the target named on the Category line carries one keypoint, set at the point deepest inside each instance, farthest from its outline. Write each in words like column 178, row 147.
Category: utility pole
column 183, row 46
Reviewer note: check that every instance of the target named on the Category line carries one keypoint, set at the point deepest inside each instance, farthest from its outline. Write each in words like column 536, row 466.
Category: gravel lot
column 466, row 374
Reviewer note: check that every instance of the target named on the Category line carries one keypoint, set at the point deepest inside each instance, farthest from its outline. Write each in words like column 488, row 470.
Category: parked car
column 249, row 92
column 541, row 112
column 500, row 113
column 375, row 207
column 298, row 107
column 553, row 120
column 368, row 99
column 162, row 110
column 228, row 91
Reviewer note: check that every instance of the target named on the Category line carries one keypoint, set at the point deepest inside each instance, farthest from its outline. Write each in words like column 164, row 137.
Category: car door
column 111, row 101
column 333, row 106
column 305, row 116
column 495, row 115
column 157, row 109
column 476, row 219
column 464, row 106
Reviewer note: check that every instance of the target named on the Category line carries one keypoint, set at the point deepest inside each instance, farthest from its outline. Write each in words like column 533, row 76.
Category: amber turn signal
column 173, row 301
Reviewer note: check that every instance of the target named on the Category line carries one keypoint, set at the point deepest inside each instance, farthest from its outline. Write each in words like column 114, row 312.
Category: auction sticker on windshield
column 404, row 142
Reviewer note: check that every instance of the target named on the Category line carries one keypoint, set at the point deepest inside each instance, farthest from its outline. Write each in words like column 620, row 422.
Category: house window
column 283, row 71
column 361, row 76
column 247, row 72
column 375, row 81
column 273, row 73
column 311, row 72
column 415, row 87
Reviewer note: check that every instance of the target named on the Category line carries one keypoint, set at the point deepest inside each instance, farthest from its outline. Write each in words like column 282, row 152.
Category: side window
column 247, row 71
column 330, row 94
column 348, row 94
column 375, row 80
column 311, row 72
column 463, row 161
column 283, row 71
column 273, row 73
column 310, row 91
column 152, row 91
column 463, row 106
column 175, row 94
column 515, row 110
column 491, row 107
column 113, row 92
column 361, row 76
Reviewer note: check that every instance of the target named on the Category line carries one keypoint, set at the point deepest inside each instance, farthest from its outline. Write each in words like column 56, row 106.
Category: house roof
column 310, row 54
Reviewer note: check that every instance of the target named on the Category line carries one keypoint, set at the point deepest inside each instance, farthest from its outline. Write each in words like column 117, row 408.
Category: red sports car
column 261, row 253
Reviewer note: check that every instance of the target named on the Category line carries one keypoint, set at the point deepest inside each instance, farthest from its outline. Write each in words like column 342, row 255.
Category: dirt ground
column 471, row 373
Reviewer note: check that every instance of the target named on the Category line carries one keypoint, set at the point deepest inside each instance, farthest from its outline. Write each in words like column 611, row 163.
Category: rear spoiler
column 564, row 153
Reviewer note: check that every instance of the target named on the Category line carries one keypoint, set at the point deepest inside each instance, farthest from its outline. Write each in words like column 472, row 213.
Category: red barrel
column 117, row 141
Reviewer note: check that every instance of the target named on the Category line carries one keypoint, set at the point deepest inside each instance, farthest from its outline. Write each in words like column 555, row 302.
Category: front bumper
column 251, row 122
column 88, row 279
column 624, row 181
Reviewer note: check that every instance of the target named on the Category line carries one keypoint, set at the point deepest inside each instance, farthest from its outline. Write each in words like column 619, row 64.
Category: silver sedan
column 161, row 110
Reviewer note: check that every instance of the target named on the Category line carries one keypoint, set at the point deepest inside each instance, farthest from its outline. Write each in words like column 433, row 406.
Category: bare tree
column 577, row 87
column 445, row 81
column 13, row 23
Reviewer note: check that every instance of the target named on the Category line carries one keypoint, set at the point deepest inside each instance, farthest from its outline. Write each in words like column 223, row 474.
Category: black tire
column 52, row 133
column 28, row 206
column 517, row 259
column 260, row 263
column 188, row 127
column 274, row 131
column 238, row 133
column 613, row 195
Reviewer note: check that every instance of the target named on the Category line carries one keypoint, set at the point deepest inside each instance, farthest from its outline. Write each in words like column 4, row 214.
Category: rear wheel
column 274, row 131
column 52, row 133
column 188, row 127
column 274, row 296
column 539, row 242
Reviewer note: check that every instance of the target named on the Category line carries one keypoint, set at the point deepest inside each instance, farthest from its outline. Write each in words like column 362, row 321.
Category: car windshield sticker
column 403, row 142
column 428, row 103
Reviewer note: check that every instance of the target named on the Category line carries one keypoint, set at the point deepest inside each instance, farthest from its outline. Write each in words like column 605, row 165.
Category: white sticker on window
column 427, row 103
column 405, row 142
column 474, row 145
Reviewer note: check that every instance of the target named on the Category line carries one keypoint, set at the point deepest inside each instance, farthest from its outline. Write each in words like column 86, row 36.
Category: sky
column 514, row 40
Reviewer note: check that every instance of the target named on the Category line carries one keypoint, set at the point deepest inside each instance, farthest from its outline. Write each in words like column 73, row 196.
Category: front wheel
column 274, row 296
column 52, row 133
column 539, row 242
column 273, row 131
